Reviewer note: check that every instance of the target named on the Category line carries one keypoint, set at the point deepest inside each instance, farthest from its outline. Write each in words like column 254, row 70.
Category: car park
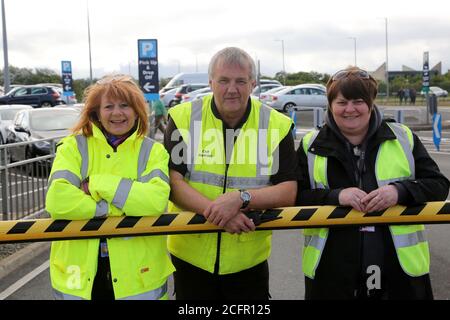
column 258, row 90
column 300, row 96
column 167, row 96
column 193, row 95
column 265, row 96
column 34, row 95
column 7, row 113
column 184, row 89
column 186, row 78
column 35, row 124
column 72, row 99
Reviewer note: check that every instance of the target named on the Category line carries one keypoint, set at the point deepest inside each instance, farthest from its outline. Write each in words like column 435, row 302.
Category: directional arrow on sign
column 148, row 86
column 436, row 126
column 67, row 88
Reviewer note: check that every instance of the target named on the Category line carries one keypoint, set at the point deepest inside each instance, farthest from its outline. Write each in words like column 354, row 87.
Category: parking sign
column 66, row 76
column 148, row 68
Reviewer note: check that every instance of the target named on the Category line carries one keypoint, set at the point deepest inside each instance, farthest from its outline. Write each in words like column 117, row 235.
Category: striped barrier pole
column 188, row 222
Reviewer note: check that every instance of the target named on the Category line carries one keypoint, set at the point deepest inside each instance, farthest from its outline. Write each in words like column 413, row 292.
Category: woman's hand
column 352, row 197
column 380, row 199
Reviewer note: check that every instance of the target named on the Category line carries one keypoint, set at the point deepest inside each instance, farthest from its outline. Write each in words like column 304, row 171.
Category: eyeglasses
column 345, row 73
column 115, row 78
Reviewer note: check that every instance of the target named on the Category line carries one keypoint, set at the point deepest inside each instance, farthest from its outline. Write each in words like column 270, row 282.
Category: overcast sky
column 315, row 33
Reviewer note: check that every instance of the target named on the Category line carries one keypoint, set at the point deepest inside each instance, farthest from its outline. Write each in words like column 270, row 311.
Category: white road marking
column 21, row 282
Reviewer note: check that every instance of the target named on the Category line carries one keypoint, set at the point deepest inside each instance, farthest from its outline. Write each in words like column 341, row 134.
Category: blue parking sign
column 147, row 48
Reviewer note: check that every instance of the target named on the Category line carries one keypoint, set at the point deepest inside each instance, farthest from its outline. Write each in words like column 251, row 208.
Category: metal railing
column 23, row 184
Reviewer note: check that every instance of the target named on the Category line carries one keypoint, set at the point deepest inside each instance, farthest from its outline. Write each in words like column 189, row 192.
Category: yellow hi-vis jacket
column 394, row 162
column 251, row 165
column 131, row 180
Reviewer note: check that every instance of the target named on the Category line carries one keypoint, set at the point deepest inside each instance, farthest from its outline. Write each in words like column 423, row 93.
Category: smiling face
column 116, row 116
column 352, row 116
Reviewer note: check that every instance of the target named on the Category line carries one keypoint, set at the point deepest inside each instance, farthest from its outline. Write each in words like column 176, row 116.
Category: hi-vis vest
column 132, row 180
column 394, row 162
column 250, row 167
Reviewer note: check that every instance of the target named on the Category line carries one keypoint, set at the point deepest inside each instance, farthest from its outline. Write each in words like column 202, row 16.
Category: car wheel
column 288, row 107
column 46, row 104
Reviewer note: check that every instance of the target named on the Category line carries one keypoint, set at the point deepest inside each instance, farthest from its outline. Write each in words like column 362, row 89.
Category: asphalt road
column 286, row 282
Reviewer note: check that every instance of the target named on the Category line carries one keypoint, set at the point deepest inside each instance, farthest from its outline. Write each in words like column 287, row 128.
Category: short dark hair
column 353, row 86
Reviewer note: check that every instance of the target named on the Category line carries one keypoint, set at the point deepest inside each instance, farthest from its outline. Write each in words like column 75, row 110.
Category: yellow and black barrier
column 188, row 222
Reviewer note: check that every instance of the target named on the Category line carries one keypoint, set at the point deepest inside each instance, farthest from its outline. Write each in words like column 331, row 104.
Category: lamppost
column 284, row 66
column 354, row 42
column 89, row 41
column 387, row 69
column 6, row 81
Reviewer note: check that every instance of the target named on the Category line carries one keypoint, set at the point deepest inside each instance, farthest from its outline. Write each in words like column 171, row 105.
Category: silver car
column 194, row 94
column 303, row 95
column 168, row 96
column 7, row 113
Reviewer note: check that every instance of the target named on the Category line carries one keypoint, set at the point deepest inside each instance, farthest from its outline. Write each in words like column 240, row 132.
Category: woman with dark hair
column 359, row 160
column 108, row 167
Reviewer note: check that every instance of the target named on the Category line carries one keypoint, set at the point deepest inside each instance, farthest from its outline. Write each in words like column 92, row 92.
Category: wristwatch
column 245, row 197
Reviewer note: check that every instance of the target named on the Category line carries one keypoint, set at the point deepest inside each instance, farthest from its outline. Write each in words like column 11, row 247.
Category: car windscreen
column 48, row 121
column 8, row 114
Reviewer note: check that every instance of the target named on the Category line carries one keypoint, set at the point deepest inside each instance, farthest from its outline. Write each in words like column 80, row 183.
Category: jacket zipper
column 219, row 234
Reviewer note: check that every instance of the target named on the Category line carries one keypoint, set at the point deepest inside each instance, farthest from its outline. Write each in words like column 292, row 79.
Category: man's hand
column 352, row 197
column 380, row 199
column 224, row 208
column 240, row 223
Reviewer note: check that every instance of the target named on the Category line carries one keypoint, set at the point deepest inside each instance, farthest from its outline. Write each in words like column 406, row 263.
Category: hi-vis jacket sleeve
column 146, row 196
column 65, row 199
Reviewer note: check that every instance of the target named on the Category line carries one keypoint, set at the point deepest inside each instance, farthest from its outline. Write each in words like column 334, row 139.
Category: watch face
column 245, row 196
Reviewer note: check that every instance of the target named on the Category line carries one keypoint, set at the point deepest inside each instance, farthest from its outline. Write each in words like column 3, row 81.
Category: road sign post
column 148, row 68
column 426, row 82
column 66, row 76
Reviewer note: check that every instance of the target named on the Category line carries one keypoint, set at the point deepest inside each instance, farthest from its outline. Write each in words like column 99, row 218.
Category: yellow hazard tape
column 188, row 222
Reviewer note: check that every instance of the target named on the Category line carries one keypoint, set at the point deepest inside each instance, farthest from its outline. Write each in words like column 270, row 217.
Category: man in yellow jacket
column 109, row 168
column 229, row 154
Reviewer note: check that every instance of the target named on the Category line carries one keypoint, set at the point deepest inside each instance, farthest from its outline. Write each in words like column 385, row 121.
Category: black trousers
column 192, row 283
column 103, row 287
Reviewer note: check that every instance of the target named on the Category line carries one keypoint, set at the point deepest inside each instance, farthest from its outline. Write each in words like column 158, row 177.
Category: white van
column 186, row 78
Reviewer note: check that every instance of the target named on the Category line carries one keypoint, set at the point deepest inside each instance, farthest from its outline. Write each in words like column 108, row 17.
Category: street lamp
column 387, row 69
column 284, row 66
column 89, row 41
column 354, row 42
column 6, row 81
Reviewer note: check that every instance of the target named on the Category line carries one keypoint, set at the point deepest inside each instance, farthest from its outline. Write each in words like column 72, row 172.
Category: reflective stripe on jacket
column 131, row 180
column 394, row 162
column 251, row 165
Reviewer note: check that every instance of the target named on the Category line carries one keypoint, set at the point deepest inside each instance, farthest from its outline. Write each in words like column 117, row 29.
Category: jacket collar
column 327, row 143
column 98, row 134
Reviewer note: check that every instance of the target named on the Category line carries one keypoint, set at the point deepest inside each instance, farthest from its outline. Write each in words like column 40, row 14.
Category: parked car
column 35, row 96
column 167, row 96
column 303, row 95
column 186, row 78
column 438, row 92
column 263, row 88
column 35, row 124
column 265, row 96
column 184, row 89
column 194, row 94
column 269, row 81
column 7, row 113
column 72, row 99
